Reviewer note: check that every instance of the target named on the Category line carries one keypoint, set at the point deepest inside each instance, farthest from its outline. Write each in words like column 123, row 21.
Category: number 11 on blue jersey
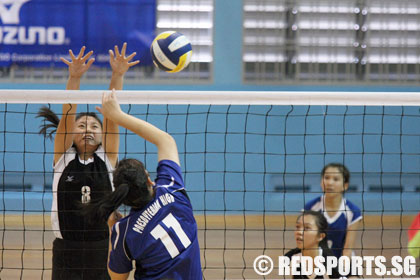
column 160, row 233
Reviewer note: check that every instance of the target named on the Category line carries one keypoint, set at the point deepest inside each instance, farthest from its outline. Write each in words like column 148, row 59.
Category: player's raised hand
column 78, row 65
column 110, row 107
column 119, row 62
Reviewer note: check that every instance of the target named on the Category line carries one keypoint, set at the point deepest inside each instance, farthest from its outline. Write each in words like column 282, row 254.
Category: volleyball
column 171, row 51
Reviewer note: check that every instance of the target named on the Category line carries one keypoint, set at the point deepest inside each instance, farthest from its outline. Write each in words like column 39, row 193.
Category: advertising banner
column 39, row 32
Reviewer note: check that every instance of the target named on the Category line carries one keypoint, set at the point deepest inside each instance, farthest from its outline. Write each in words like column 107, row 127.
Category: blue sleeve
column 118, row 259
column 357, row 214
column 169, row 175
column 311, row 203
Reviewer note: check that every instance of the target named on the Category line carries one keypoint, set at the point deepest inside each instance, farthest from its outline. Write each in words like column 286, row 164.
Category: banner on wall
column 39, row 32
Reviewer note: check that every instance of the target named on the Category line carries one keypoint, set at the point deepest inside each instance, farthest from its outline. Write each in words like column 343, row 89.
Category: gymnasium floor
column 26, row 242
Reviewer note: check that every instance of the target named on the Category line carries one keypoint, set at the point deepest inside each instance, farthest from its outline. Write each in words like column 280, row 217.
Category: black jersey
column 323, row 252
column 76, row 182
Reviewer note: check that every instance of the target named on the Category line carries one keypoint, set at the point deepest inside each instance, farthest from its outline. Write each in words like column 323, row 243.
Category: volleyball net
column 251, row 161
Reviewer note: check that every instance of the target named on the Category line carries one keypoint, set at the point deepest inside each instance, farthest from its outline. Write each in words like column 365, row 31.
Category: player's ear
column 322, row 182
column 345, row 187
column 322, row 236
column 150, row 185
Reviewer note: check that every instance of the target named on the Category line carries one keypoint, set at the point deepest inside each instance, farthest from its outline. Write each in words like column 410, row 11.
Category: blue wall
column 290, row 160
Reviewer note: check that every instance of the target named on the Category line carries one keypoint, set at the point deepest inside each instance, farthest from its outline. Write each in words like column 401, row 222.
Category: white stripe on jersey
column 125, row 236
column 342, row 209
column 349, row 215
column 117, row 230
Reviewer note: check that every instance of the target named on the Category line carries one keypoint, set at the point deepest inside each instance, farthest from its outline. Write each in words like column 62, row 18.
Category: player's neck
column 333, row 201
column 310, row 252
column 85, row 155
column 86, row 152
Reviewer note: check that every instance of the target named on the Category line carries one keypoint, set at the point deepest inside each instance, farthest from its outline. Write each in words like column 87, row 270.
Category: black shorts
column 80, row 260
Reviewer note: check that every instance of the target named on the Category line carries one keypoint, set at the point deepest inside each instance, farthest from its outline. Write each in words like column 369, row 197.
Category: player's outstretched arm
column 78, row 65
column 164, row 142
column 119, row 64
column 113, row 218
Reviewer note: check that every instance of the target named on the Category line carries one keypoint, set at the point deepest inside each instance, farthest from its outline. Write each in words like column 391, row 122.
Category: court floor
column 229, row 244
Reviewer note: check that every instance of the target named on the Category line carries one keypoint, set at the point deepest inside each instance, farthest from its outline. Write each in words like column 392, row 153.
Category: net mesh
column 249, row 169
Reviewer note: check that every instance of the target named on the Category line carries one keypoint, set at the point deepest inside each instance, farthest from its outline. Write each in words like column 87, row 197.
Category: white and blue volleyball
column 171, row 51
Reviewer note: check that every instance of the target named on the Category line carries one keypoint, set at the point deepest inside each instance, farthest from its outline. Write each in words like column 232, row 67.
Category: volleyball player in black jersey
column 85, row 154
column 311, row 241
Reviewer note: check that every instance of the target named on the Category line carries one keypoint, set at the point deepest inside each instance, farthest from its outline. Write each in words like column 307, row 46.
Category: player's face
column 87, row 133
column 332, row 182
column 306, row 233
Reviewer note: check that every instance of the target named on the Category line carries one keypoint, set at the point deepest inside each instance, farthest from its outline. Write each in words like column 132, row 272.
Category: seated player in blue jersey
column 160, row 232
column 310, row 235
column 85, row 154
column 343, row 216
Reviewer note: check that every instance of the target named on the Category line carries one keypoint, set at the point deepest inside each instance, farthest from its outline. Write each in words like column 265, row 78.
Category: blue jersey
column 347, row 215
column 162, row 237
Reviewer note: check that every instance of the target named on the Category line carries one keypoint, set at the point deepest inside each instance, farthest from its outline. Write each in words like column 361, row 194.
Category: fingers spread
column 72, row 55
column 81, row 53
column 90, row 62
column 65, row 60
column 117, row 53
column 134, row 63
column 99, row 109
column 124, row 47
column 87, row 56
column 131, row 56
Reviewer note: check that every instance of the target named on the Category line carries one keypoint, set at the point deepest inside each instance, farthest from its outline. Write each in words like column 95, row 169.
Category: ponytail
column 101, row 209
column 133, row 173
column 324, row 244
column 48, row 116
column 51, row 120
column 131, row 188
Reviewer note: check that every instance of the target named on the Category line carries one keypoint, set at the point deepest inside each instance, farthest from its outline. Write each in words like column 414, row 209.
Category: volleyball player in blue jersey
column 160, row 232
column 342, row 215
column 85, row 154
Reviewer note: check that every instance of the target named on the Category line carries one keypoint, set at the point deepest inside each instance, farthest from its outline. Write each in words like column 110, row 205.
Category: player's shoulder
column 100, row 153
column 171, row 198
column 350, row 205
column 293, row 252
column 313, row 203
column 65, row 159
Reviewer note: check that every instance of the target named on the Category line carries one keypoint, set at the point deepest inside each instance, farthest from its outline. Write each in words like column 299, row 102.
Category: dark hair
column 51, row 120
column 321, row 223
column 341, row 167
column 131, row 189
